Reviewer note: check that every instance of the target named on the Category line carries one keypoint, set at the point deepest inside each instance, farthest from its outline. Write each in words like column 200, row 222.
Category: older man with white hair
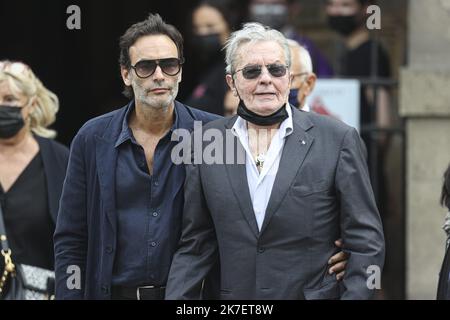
column 303, row 77
column 270, row 221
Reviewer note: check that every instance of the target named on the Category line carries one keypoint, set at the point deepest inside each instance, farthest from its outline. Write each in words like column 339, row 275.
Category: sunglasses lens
column 277, row 70
column 170, row 66
column 251, row 72
column 145, row 68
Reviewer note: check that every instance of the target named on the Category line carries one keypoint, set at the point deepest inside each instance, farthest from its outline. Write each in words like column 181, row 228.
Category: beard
column 144, row 96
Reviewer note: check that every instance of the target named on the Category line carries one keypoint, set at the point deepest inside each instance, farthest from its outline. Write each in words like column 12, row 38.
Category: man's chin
column 157, row 103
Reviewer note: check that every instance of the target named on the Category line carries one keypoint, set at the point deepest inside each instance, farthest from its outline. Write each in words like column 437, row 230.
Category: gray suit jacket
column 322, row 192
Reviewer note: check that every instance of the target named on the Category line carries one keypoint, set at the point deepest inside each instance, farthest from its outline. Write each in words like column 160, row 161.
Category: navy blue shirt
column 149, row 209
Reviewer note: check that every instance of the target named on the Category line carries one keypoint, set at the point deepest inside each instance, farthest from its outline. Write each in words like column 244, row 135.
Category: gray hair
column 304, row 56
column 253, row 32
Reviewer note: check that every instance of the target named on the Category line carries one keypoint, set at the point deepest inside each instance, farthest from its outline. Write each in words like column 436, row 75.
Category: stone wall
column 425, row 104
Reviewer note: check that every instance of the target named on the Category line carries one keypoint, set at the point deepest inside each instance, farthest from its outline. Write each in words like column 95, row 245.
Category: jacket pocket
column 303, row 190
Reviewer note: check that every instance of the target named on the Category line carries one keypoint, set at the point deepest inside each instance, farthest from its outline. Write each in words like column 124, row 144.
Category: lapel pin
column 303, row 142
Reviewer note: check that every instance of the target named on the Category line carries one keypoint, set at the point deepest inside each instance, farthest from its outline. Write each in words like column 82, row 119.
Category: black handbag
column 21, row 281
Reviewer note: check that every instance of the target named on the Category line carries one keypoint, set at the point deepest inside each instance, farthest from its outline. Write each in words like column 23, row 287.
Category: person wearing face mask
column 212, row 22
column 269, row 213
column 275, row 14
column 363, row 58
column 304, row 80
column 32, row 165
column 303, row 77
column 348, row 18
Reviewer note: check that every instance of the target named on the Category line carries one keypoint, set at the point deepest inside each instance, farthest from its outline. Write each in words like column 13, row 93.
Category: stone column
column 425, row 106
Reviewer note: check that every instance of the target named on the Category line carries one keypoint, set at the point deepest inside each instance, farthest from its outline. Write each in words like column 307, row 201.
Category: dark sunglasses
column 170, row 66
column 254, row 71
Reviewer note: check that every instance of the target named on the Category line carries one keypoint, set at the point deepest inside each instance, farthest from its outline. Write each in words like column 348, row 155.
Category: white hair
column 253, row 32
column 304, row 56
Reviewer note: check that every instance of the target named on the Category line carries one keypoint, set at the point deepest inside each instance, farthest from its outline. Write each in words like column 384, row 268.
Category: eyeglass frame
column 157, row 61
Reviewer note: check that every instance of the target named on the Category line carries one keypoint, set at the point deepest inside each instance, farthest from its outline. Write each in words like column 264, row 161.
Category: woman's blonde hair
column 22, row 80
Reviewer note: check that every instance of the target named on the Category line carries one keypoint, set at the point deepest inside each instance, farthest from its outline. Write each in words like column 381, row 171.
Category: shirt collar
column 126, row 134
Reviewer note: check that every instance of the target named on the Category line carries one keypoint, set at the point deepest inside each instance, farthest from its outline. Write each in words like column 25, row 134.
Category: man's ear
column 310, row 83
column 125, row 75
column 230, row 83
column 291, row 79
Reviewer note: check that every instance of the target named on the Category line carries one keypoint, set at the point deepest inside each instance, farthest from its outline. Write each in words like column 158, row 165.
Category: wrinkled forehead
column 257, row 52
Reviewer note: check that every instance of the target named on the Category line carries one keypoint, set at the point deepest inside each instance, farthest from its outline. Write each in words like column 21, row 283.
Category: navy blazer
column 54, row 157
column 85, row 236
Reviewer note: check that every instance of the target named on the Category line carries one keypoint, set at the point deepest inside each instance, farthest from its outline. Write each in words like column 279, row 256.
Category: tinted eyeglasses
column 254, row 71
column 169, row 66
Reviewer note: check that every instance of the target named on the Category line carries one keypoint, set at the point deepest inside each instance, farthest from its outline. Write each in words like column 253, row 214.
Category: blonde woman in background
column 32, row 165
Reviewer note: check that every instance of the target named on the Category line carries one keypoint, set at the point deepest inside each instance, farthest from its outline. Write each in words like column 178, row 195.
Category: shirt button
column 261, row 250
column 155, row 214
column 156, row 183
column 105, row 289
column 109, row 249
column 153, row 244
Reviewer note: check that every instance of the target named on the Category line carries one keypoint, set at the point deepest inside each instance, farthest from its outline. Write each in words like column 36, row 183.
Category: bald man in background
column 303, row 77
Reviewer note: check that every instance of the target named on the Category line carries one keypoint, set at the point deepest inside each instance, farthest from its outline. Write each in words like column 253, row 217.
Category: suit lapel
column 238, row 178
column 294, row 153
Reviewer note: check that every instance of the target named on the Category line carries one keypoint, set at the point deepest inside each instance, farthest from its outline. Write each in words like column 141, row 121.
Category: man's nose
column 265, row 76
column 158, row 75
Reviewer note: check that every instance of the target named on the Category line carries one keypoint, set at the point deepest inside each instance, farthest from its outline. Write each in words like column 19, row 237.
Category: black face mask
column 207, row 47
column 277, row 117
column 11, row 121
column 345, row 25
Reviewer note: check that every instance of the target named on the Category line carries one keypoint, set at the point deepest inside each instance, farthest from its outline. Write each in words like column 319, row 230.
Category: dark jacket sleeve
column 70, row 237
column 361, row 226
column 197, row 252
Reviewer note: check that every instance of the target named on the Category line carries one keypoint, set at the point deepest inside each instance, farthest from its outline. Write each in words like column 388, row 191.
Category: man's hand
column 338, row 262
